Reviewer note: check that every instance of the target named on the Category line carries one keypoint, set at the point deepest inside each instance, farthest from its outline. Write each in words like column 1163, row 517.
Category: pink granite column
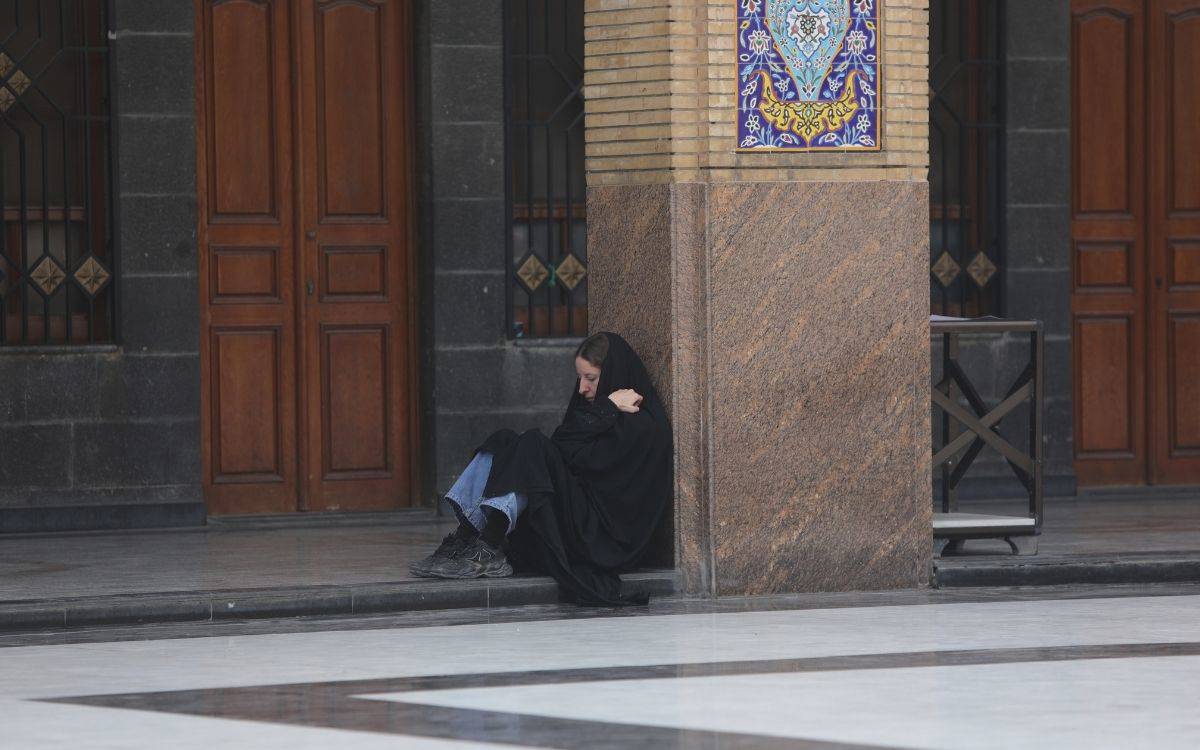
column 786, row 323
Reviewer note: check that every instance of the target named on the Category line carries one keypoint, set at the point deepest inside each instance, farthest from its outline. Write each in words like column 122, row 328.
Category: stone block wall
column 110, row 436
column 1037, row 262
column 476, row 380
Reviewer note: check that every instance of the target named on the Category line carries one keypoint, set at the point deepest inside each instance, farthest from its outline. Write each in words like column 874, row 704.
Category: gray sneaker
column 450, row 546
column 476, row 560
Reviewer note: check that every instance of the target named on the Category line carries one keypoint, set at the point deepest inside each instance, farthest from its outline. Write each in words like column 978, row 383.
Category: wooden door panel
column 1173, row 191
column 1103, row 265
column 353, row 274
column 246, row 422
column 350, row 139
column 1108, row 243
column 1184, row 266
column 241, row 275
column 1104, row 375
column 1107, row 75
column 357, row 254
column 247, row 255
column 357, row 401
column 1182, row 71
column 1183, row 386
column 240, row 66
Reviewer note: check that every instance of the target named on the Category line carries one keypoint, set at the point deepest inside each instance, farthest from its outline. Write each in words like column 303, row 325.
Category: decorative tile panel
column 47, row 275
column 570, row 272
column 16, row 82
column 532, row 272
column 808, row 75
column 981, row 269
column 946, row 269
column 92, row 276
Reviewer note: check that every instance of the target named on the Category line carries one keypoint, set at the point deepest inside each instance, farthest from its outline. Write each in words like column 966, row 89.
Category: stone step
column 245, row 604
column 1058, row 570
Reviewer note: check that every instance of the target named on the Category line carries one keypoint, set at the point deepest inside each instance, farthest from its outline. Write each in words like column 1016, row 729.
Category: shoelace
column 480, row 552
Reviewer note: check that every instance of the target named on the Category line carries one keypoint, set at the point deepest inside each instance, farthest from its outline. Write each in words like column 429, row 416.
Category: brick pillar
column 780, row 299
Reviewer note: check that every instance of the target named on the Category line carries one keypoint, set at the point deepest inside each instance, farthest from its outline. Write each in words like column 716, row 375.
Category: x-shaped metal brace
column 981, row 425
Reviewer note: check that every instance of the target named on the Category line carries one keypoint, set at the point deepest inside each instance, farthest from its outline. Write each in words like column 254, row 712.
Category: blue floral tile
column 808, row 75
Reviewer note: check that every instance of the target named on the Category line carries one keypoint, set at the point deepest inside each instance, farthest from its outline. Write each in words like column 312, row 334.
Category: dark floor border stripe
column 347, row 704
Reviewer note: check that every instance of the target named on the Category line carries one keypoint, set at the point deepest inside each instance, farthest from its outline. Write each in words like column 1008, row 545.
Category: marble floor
column 1105, row 523
column 374, row 548
column 1055, row 668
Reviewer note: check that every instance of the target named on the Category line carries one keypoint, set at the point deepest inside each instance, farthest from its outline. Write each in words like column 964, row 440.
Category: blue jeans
column 467, row 495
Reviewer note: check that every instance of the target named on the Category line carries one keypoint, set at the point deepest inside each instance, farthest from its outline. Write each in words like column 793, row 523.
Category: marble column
column 781, row 301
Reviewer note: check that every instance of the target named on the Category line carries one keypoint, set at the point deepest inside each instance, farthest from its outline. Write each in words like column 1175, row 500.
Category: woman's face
column 589, row 378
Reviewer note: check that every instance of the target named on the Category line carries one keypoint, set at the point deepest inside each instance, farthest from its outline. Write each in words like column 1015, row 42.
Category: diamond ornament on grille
column 92, row 276
column 946, row 269
column 532, row 273
column 47, row 275
column 570, row 272
column 981, row 269
column 14, row 84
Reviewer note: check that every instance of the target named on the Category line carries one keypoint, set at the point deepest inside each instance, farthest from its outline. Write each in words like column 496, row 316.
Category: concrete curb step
column 1066, row 570
column 244, row 604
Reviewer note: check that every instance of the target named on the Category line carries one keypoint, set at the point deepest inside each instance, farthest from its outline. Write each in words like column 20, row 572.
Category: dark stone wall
column 110, row 437
column 476, row 380
column 1037, row 267
column 1039, row 196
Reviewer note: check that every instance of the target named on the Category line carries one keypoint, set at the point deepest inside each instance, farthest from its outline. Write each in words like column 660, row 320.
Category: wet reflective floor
column 1061, row 668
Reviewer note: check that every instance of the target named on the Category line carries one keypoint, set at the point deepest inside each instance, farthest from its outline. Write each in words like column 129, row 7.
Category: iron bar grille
column 546, row 235
column 57, row 265
column 967, row 157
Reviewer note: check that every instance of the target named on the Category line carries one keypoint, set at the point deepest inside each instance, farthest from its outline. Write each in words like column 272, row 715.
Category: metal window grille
column 967, row 157
column 546, row 236
column 57, row 264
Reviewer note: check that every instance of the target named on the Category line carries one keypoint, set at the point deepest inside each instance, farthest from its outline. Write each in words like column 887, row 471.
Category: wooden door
column 304, row 230
column 354, row 167
column 247, row 256
column 1108, row 239
column 1135, row 232
column 1173, row 211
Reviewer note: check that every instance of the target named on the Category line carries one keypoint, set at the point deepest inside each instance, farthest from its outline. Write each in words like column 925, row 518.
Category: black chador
column 597, row 489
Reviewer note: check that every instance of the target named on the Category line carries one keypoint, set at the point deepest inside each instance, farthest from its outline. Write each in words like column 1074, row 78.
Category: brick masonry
column 661, row 95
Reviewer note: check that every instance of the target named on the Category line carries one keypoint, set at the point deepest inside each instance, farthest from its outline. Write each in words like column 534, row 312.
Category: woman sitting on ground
column 580, row 506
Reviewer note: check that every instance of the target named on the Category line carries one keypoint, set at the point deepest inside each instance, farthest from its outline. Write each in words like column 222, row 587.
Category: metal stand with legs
column 978, row 424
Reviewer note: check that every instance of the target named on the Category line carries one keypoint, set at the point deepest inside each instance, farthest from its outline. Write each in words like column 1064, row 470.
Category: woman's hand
column 626, row 399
